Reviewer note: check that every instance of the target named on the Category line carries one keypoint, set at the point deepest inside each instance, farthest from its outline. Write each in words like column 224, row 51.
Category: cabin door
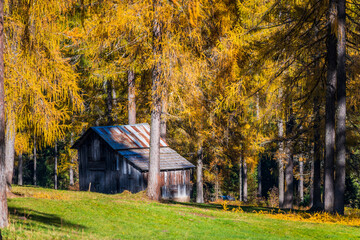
column 97, row 180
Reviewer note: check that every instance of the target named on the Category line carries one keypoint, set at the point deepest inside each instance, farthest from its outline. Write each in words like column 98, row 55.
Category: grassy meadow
column 38, row 213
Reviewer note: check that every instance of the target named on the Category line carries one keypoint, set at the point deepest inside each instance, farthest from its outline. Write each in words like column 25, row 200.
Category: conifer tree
column 153, row 190
column 339, row 193
column 3, row 201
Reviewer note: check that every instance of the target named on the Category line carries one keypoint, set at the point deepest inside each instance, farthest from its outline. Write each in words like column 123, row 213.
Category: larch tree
column 3, row 201
column 330, row 110
column 153, row 190
column 339, row 194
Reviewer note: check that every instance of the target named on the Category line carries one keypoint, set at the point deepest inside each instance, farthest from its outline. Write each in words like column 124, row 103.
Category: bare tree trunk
column 3, row 200
column 109, row 102
column 34, row 156
column 153, row 190
column 55, row 167
column 311, row 203
column 289, row 167
column 20, row 170
column 316, row 182
column 289, row 178
column 301, row 180
column 245, row 180
column 163, row 121
column 259, row 179
column 10, row 150
column 241, row 197
column 199, row 178
column 217, row 185
column 341, row 110
column 71, row 170
column 330, row 111
column 259, row 164
column 281, row 164
column 131, row 97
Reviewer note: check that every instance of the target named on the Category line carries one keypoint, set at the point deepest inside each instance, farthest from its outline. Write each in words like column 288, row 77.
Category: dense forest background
column 244, row 88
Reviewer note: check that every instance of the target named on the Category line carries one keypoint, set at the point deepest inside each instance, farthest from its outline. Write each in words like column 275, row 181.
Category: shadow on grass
column 51, row 220
column 248, row 209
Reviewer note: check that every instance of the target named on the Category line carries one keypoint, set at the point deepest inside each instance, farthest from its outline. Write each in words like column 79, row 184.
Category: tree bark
column 55, row 167
column 341, row 111
column 3, row 200
column 301, row 180
column 34, row 157
column 199, row 178
column 131, row 97
column 153, row 190
column 20, row 170
column 316, row 182
column 217, row 185
column 110, row 101
column 281, row 164
column 163, row 121
column 241, row 197
column 289, row 179
column 71, row 170
column 289, row 167
column 259, row 180
column 10, row 150
column 259, row 164
column 330, row 111
column 245, row 180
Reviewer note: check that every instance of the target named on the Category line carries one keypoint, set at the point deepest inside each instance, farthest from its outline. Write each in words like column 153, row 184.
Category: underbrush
column 350, row 218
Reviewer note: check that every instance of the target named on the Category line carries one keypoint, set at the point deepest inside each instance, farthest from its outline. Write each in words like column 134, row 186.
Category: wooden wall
column 108, row 172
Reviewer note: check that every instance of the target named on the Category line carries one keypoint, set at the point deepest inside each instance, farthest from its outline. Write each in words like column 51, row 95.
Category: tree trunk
column 217, row 185
column 330, row 111
column 109, row 102
column 34, row 156
column 71, row 170
column 301, row 180
column 199, row 178
column 281, row 164
column 316, row 182
column 3, row 200
column 311, row 203
column 153, row 190
column 259, row 180
column 289, row 178
column 245, row 185
column 341, row 111
column 20, row 170
column 55, row 168
column 259, row 164
column 163, row 121
column 10, row 150
column 241, row 197
column 131, row 97
column 289, row 167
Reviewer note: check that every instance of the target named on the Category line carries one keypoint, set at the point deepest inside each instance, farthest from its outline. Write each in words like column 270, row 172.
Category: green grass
column 48, row 214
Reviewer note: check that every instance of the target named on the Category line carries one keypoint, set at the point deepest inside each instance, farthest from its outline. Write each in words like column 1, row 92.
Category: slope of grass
column 38, row 213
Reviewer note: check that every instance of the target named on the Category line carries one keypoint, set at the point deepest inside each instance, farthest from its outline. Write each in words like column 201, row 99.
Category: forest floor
column 38, row 213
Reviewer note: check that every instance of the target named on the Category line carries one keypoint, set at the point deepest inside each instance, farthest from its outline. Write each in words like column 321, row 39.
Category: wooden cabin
column 116, row 158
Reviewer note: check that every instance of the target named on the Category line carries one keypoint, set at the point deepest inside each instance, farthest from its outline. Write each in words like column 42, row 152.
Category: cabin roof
column 123, row 137
column 169, row 159
column 133, row 143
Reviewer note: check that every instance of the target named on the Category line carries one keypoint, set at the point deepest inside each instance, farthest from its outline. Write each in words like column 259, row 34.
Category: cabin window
column 88, row 152
column 96, row 150
column 103, row 152
column 124, row 166
column 117, row 163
